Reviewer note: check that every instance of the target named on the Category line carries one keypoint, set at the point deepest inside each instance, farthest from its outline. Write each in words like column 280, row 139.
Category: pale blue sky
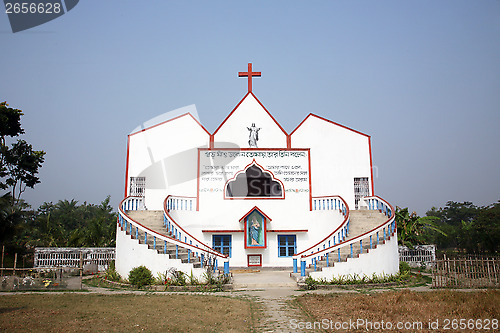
column 421, row 77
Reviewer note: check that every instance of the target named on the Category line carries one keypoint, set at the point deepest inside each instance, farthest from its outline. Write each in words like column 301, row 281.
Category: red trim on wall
column 332, row 122
column 371, row 163
column 269, row 230
column 198, row 183
column 310, row 182
column 270, row 115
column 211, row 145
column 252, row 149
column 126, row 167
column 229, row 115
column 237, row 106
column 288, row 142
column 245, row 226
column 258, row 209
column 169, row 120
column 225, row 231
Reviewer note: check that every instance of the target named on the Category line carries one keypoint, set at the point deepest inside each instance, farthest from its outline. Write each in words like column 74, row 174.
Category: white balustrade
column 136, row 229
column 381, row 233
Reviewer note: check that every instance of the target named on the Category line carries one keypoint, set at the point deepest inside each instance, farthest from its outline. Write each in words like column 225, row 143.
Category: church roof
column 257, row 209
column 237, row 106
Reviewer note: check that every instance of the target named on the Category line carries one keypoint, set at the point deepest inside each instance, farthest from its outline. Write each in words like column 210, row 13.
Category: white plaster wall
column 338, row 155
column 383, row 260
column 235, row 131
column 167, row 156
column 131, row 254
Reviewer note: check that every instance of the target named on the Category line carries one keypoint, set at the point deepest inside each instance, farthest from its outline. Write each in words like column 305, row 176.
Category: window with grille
column 287, row 245
column 222, row 244
column 361, row 189
column 137, row 186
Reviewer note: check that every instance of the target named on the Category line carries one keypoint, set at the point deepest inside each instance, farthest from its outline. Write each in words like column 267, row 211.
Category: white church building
column 252, row 195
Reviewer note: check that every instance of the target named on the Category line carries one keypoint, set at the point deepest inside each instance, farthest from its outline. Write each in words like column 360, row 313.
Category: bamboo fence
column 466, row 273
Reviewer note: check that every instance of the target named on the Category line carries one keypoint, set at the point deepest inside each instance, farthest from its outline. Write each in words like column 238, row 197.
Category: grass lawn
column 75, row 312
column 405, row 307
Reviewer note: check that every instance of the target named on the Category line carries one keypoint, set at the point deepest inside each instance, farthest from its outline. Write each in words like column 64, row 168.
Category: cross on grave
column 249, row 74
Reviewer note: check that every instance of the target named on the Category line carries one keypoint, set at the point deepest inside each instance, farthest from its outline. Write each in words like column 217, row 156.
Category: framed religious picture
column 255, row 230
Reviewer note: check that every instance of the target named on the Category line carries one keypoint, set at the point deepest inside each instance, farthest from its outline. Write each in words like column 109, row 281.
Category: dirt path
column 275, row 291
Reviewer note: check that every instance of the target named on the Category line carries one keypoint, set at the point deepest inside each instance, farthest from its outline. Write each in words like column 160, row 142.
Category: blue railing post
column 165, row 248
column 137, row 233
column 327, row 263
column 176, row 251
column 360, row 246
column 315, row 259
column 154, row 242
column 189, row 255
column 145, row 238
column 378, row 239
column 302, row 268
column 226, row 267
column 339, row 253
column 351, row 251
column 295, row 265
column 371, row 244
column 201, row 260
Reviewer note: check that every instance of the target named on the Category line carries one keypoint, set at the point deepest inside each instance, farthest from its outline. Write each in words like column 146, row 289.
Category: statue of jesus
column 254, row 136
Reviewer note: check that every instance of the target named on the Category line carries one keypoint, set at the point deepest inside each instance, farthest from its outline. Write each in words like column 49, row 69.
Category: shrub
column 311, row 284
column 404, row 267
column 111, row 274
column 140, row 276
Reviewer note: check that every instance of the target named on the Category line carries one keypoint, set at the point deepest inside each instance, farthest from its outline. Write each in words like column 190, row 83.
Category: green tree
column 486, row 236
column 67, row 223
column 456, row 219
column 19, row 163
column 413, row 229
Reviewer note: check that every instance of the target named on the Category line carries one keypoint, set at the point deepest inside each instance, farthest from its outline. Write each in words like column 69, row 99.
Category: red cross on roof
column 249, row 74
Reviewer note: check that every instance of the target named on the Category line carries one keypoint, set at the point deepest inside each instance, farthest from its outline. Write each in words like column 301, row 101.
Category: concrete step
column 361, row 221
column 153, row 219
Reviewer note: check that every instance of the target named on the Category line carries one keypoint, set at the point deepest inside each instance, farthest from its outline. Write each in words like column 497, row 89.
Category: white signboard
column 273, row 170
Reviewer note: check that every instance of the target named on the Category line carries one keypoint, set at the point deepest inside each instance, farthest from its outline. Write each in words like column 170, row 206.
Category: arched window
column 254, row 182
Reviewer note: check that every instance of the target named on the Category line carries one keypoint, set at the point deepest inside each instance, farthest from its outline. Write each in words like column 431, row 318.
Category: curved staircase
column 370, row 246
column 153, row 219
column 155, row 240
column 361, row 221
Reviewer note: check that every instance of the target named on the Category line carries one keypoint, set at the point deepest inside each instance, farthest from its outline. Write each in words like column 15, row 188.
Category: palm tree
column 412, row 228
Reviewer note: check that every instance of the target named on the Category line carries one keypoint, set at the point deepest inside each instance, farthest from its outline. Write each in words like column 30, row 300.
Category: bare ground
column 79, row 312
column 406, row 307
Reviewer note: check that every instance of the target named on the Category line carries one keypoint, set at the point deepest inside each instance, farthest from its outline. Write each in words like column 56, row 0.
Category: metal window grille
column 222, row 244
column 137, row 186
column 361, row 189
column 287, row 245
